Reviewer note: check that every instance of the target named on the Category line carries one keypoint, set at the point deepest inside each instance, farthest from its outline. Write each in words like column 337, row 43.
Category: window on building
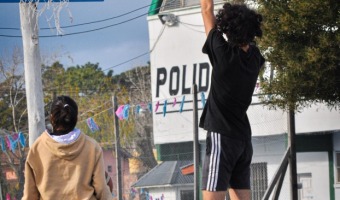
column 259, row 180
column 187, row 194
column 306, row 187
column 109, row 168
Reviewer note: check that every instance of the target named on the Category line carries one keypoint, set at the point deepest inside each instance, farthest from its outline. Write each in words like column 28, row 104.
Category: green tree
column 301, row 43
column 91, row 88
column 138, row 83
column 13, row 115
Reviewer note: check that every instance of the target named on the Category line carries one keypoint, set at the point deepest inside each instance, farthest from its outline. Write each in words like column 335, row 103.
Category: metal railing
column 278, row 178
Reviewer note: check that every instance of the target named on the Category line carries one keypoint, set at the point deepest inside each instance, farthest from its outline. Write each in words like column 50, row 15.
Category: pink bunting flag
column 175, row 102
column 15, row 136
column 157, row 105
column 8, row 142
column 143, row 105
column 120, row 113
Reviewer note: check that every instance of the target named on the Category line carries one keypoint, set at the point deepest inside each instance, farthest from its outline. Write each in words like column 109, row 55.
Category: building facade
column 176, row 34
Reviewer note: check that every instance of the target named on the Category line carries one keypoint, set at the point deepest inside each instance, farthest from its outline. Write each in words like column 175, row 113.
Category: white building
column 176, row 39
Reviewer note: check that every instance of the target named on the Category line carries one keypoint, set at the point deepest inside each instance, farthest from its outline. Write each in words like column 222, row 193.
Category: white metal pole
column 32, row 66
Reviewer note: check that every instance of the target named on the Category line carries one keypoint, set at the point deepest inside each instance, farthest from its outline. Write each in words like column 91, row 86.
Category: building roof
column 165, row 174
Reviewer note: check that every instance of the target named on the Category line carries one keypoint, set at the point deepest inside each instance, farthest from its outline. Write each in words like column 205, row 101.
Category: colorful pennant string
column 8, row 143
column 157, row 105
column 2, row 142
column 182, row 104
column 137, row 109
column 164, row 107
column 119, row 112
column 148, row 196
column 134, row 191
column 175, row 102
column 22, row 139
column 203, row 99
column 126, row 111
column 150, row 107
column 13, row 143
column 92, row 125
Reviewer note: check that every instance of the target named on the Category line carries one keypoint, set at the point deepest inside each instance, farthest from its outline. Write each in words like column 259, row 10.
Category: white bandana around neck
column 67, row 138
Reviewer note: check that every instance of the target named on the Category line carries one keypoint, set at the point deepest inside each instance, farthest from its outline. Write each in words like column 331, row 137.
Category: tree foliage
column 12, row 92
column 92, row 89
column 301, row 43
column 139, row 84
column 13, row 118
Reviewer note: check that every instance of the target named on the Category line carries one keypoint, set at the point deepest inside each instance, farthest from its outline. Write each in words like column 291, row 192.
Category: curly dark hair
column 239, row 23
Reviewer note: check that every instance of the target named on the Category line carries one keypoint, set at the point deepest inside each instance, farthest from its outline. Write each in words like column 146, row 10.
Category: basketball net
column 54, row 7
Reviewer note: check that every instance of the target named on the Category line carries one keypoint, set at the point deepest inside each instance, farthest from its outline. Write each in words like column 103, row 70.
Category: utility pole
column 117, row 148
column 196, row 143
column 32, row 65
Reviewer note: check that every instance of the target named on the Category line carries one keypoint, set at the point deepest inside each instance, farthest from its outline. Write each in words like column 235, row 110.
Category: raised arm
column 207, row 10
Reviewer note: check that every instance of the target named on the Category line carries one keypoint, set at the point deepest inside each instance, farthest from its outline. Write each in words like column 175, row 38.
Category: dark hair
column 239, row 23
column 64, row 114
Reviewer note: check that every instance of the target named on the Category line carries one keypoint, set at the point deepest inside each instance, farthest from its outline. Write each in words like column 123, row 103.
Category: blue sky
column 108, row 47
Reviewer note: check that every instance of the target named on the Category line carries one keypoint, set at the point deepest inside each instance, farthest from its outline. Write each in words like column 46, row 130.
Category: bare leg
column 238, row 194
column 220, row 195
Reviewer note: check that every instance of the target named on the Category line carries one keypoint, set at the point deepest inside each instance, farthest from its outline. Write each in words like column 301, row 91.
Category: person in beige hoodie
column 64, row 163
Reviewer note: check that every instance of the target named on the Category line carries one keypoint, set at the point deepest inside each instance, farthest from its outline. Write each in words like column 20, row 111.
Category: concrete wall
column 316, row 164
column 127, row 178
column 168, row 192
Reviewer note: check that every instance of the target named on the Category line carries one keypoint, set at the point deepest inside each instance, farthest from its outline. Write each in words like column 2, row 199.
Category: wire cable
column 98, row 21
column 87, row 23
column 191, row 28
column 80, row 32
column 92, row 30
column 158, row 38
column 88, row 31
column 126, row 61
column 189, row 24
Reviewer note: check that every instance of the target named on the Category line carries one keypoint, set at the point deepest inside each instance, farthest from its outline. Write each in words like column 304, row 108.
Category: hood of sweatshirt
column 64, row 151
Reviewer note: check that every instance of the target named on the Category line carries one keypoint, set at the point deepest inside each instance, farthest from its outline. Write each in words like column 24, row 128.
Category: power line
column 158, row 38
column 98, row 21
column 86, row 23
column 80, row 32
column 143, row 54
column 91, row 30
